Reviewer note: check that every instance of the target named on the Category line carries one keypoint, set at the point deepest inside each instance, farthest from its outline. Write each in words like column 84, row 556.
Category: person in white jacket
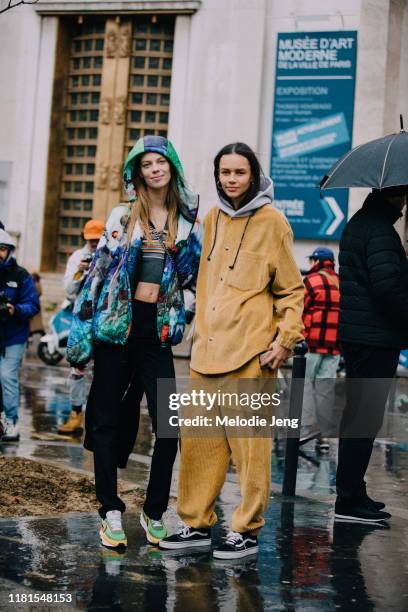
column 75, row 274
column 80, row 260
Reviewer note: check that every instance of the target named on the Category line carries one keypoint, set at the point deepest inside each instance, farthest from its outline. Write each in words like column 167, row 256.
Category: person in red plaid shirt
column 321, row 321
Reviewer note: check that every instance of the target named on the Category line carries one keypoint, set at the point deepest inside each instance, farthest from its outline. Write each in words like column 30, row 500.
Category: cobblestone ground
column 306, row 562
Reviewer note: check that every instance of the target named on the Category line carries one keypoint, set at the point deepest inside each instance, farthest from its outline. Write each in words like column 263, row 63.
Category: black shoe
column 237, row 545
column 357, row 511
column 186, row 537
column 373, row 504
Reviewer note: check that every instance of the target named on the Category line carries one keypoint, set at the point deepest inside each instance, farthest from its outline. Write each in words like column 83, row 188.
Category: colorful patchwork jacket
column 103, row 311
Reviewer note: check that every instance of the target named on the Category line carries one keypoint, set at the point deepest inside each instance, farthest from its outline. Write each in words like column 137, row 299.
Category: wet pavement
column 306, row 562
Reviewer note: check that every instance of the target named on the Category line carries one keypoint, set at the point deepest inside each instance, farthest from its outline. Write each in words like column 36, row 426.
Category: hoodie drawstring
column 240, row 242
column 215, row 237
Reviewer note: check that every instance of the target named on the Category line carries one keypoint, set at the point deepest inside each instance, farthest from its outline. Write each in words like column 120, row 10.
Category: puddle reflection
column 304, row 563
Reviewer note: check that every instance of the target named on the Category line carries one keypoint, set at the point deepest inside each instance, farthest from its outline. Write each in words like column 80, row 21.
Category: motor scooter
column 52, row 346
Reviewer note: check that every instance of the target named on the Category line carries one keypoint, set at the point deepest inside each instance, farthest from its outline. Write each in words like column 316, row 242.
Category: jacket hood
column 159, row 144
column 375, row 202
column 6, row 239
column 264, row 196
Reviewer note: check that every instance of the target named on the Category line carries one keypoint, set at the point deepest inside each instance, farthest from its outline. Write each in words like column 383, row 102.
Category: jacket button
column 221, row 279
column 211, row 339
column 227, row 248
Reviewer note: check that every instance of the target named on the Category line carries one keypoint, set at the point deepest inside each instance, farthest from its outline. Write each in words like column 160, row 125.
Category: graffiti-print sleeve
column 188, row 259
column 189, row 262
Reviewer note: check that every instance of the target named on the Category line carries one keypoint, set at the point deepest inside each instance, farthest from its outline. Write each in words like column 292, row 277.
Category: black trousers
column 369, row 372
column 135, row 368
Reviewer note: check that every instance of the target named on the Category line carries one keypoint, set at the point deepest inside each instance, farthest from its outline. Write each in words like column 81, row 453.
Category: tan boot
column 75, row 424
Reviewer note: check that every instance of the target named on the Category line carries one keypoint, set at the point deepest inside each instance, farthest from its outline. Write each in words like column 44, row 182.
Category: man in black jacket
column 373, row 328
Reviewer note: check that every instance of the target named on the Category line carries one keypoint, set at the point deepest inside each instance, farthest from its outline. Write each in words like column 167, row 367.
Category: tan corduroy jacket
column 241, row 308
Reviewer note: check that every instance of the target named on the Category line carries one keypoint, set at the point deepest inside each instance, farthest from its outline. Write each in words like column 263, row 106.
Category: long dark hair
column 240, row 148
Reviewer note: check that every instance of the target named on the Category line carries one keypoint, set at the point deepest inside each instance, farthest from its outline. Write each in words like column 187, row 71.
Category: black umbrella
column 379, row 163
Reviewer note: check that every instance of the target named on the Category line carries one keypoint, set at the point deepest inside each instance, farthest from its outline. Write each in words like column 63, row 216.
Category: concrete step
column 53, row 294
column 52, row 287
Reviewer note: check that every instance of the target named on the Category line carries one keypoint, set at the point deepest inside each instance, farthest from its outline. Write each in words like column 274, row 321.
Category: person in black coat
column 373, row 327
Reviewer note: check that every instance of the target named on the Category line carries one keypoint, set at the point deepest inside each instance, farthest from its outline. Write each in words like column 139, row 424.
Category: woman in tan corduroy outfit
column 249, row 309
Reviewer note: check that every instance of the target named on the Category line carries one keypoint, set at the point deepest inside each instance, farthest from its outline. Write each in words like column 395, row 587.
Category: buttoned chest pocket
column 249, row 273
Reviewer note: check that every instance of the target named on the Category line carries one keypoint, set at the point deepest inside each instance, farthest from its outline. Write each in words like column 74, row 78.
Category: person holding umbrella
column 373, row 325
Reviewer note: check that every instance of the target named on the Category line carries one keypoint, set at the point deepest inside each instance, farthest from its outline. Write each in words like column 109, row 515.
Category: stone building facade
column 80, row 81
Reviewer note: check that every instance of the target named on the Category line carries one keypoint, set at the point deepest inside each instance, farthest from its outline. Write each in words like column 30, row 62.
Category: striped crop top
column 153, row 256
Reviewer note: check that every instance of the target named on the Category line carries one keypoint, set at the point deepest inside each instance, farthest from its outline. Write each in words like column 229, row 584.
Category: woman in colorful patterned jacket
column 131, row 310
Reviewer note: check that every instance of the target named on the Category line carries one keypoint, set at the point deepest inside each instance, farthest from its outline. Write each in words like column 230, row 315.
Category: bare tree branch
column 10, row 4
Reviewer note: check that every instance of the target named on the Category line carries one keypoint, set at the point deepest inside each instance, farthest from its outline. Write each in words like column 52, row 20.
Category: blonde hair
column 140, row 209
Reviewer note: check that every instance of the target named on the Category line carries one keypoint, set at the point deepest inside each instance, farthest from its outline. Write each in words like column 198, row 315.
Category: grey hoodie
column 264, row 196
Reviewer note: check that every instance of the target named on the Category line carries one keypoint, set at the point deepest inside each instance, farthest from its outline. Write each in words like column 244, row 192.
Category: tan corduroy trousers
column 204, row 464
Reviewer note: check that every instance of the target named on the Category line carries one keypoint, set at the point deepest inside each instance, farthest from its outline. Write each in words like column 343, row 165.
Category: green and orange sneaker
column 155, row 529
column 111, row 531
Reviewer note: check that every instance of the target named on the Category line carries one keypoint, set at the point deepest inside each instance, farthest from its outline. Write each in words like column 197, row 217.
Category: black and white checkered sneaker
column 186, row 537
column 237, row 545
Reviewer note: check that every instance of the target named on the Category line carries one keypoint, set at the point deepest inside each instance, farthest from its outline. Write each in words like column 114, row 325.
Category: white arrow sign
column 338, row 215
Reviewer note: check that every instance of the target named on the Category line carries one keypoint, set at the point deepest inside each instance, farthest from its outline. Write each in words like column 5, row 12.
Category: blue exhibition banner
column 312, row 127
